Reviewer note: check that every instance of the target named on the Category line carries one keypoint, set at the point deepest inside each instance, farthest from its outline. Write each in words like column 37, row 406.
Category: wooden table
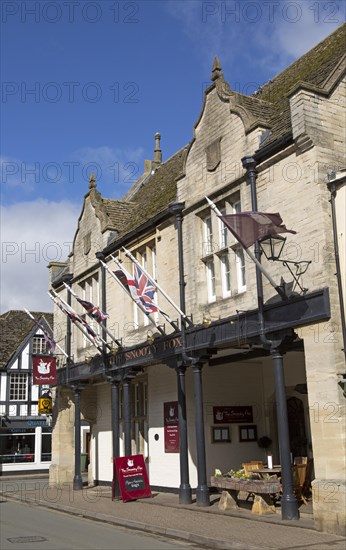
column 263, row 488
column 275, row 470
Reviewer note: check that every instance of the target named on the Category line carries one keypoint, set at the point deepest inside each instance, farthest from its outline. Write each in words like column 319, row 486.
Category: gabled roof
column 15, row 326
column 148, row 197
column 268, row 108
column 156, row 192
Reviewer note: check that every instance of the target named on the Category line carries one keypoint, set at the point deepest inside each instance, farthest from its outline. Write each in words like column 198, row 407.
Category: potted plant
column 264, row 442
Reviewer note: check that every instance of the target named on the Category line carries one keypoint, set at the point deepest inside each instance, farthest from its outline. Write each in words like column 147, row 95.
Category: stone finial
column 92, row 181
column 157, row 151
column 216, row 71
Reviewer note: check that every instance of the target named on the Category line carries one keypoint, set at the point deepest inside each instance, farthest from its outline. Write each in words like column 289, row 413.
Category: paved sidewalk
column 162, row 514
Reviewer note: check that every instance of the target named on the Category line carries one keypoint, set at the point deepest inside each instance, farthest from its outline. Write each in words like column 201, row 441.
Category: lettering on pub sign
column 132, row 477
column 232, row 415
column 171, row 426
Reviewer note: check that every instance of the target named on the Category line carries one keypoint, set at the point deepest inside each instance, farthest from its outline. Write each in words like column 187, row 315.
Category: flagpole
column 251, row 255
column 134, row 260
column 79, row 317
column 137, row 304
column 55, row 300
column 57, row 345
column 105, row 328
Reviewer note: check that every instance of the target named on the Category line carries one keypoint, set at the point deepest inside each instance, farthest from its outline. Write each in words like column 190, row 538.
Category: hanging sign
column 45, row 404
column 132, row 477
column 44, row 370
column 232, row 415
column 171, row 426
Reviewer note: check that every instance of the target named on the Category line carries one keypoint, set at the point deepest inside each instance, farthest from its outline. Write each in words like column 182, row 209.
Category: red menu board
column 171, row 426
column 132, row 477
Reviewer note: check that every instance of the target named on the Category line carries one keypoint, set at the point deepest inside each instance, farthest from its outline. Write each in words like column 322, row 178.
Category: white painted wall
column 101, row 438
column 25, row 357
column 3, row 384
column 223, row 385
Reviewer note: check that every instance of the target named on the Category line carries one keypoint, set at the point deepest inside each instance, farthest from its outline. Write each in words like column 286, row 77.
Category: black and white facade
column 25, row 436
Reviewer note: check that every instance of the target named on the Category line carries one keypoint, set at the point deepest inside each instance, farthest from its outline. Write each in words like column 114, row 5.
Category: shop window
column 17, row 447
column 46, row 448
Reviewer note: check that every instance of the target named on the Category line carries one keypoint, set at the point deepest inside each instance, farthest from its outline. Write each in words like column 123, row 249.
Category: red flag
column 249, row 227
column 44, row 370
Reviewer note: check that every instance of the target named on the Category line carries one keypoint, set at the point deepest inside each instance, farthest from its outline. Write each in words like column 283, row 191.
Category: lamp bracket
column 300, row 268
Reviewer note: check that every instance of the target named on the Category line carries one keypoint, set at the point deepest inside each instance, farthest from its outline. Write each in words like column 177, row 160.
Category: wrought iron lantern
column 272, row 247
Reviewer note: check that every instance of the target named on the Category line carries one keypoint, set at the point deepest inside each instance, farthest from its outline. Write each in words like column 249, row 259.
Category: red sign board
column 171, row 426
column 232, row 415
column 132, row 477
column 44, row 370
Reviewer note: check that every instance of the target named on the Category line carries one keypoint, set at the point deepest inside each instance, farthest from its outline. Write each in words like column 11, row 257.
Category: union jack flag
column 94, row 311
column 67, row 310
column 140, row 289
column 145, row 290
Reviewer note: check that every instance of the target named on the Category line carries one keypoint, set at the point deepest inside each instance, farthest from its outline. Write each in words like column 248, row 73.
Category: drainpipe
column 289, row 504
column 333, row 189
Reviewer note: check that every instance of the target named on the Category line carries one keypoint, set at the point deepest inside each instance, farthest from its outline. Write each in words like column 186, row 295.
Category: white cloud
column 15, row 173
column 32, row 235
column 296, row 27
column 117, row 167
column 269, row 33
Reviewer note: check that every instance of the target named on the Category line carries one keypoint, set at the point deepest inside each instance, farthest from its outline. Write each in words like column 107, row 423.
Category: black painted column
column 202, row 491
column 185, row 493
column 127, row 416
column 77, row 480
column 289, row 508
column 115, row 427
column 289, row 504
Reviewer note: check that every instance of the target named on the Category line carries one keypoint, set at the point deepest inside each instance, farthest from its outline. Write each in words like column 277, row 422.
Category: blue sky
column 85, row 85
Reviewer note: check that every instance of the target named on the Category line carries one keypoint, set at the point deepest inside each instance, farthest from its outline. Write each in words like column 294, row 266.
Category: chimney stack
column 157, row 152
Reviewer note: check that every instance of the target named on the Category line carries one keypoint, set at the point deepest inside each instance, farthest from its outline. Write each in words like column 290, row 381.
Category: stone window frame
column 232, row 280
column 147, row 257
column 88, row 289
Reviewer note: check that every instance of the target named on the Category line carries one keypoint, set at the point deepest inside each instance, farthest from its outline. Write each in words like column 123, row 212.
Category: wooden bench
column 263, row 489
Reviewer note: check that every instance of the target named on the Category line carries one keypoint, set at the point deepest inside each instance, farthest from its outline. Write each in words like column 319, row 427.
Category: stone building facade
column 279, row 150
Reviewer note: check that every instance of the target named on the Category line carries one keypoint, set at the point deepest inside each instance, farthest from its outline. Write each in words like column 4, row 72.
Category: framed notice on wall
column 171, row 426
column 248, row 433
